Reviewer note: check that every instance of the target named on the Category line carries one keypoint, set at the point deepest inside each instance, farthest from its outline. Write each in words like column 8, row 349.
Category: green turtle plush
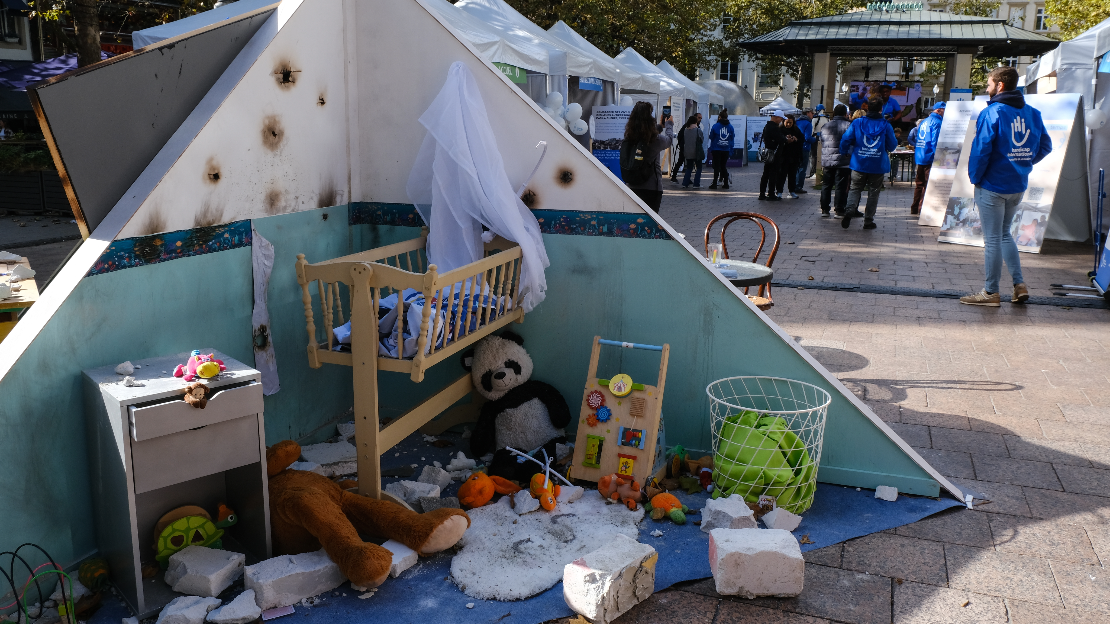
column 184, row 527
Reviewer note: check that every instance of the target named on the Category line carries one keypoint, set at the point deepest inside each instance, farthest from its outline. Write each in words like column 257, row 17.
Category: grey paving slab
column 1045, row 450
column 1084, row 480
column 1047, row 539
column 955, row 526
column 915, row 603
column 1015, row 471
column 672, row 606
column 1068, row 507
column 896, row 556
column 1000, row 574
column 841, row 595
column 949, row 463
column 1083, row 587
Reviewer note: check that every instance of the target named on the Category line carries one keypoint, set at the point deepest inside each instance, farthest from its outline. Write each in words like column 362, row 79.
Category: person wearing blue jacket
column 805, row 124
column 869, row 140
column 721, row 138
column 923, row 138
column 1009, row 139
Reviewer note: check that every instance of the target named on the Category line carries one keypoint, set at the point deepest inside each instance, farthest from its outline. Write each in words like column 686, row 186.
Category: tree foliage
column 675, row 31
column 1075, row 16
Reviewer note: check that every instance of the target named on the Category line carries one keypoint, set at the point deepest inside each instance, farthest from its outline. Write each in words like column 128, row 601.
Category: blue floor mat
column 425, row 595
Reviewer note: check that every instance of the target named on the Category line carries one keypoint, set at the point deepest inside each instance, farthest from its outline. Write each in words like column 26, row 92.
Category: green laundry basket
column 767, row 435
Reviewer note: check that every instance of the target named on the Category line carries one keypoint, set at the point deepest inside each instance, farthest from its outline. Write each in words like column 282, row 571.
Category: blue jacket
column 868, row 140
column 890, row 107
column 806, row 126
column 1009, row 139
column 925, row 146
column 721, row 137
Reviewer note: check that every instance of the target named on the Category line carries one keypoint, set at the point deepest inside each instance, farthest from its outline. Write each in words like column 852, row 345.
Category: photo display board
column 755, row 135
column 607, row 123
column 958, row 117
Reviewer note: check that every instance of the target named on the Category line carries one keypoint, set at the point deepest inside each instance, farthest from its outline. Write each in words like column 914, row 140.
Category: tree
column 680, row 33
column 1075, row 16
column 86, row 25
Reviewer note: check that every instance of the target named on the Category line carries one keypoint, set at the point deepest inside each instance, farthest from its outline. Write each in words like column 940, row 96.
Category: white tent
column 738, row 101
column 631, row 80
column 697, row 93
column 1073, row 63
column 154, row 34
column 668, row 88
column 782, row 105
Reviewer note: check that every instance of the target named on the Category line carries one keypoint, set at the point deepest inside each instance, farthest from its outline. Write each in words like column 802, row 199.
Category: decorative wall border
column 570, row 222
column 128, row 253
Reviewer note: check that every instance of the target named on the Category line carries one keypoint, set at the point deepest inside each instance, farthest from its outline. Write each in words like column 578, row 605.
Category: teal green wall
column 635, row 290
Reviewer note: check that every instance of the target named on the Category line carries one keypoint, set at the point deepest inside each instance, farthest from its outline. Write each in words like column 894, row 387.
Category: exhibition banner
column 755, row 135
column 905, row 94
column 739, row 148
column 961, row 222
column 607, row 123
column 589, row 84
column 514, row 73
column 958, row 116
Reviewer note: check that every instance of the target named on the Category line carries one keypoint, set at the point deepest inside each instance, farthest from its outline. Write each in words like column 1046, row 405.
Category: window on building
column 768, row 81
column 730, row 71
column 1041, row 23
column 1010, row 61
column 8, row 23
column 726, row 19
column 1017, row 17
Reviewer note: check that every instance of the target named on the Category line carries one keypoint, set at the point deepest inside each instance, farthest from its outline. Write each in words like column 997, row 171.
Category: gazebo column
column 957, row 74
column 824, row 80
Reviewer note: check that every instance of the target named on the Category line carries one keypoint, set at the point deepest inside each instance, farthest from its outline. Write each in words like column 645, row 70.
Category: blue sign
column 1104, row 64
column 589, row 84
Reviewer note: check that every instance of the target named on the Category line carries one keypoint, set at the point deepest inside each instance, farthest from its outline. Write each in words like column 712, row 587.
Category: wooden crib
column 373, row 275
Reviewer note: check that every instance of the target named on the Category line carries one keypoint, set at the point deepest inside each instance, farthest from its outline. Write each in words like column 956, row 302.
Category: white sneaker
column 793, row 195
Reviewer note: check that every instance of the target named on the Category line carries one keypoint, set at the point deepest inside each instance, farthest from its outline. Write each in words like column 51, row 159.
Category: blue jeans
column 996, row 211
column 691, row 165
column 803, row 168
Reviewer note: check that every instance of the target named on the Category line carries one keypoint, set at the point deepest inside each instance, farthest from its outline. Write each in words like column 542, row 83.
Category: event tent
column 700, row 94
column 631, row 80
column 668, row 88
column 738, row 101
column 1073, row 63
column 782, row 105
column 154, row 34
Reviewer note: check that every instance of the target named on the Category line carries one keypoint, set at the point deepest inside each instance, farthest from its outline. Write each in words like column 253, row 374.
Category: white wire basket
column 767, row 436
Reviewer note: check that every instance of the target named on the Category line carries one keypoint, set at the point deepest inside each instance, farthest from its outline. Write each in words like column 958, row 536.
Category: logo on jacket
column 1018, row 128
column 870, row 143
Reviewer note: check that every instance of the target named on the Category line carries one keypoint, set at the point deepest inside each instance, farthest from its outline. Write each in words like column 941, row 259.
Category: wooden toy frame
column 646, row 423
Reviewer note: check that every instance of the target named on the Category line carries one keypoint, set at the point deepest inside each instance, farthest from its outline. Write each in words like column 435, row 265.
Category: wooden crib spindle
column 338, row 303
column 325, row 310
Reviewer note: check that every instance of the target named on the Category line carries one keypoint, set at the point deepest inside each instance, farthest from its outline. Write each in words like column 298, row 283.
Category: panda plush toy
column 521, row 412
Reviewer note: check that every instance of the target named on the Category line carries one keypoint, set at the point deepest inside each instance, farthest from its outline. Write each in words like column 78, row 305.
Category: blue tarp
column 19, row 78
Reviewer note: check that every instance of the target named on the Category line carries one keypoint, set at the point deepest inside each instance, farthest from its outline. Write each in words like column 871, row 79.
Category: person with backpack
column 924, row 138
column 804, row 122
column 692, row 142
column 1010, row 138
column 643, row 141
column 772, row 139
column 868, row 140
column 834, row 165
column 721, row 138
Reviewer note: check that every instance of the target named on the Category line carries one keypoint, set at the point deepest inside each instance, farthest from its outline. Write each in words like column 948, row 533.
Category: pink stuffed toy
column 203, row 366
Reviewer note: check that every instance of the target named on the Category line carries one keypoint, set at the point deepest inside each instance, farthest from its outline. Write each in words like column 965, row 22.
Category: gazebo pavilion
column 879, row 32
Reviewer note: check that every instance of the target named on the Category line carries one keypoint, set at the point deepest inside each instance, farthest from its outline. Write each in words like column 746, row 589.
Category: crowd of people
column 854, row 156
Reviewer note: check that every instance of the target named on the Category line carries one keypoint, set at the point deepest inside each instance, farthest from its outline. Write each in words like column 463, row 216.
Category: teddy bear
column 520, row 412
column 309, row 511
column 620, row 489
column 196, row 394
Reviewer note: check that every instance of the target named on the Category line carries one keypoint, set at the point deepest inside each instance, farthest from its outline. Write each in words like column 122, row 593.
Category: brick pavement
column 1013, row 402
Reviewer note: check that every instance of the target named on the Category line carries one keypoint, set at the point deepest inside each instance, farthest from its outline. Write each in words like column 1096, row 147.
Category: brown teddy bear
column 308, row 511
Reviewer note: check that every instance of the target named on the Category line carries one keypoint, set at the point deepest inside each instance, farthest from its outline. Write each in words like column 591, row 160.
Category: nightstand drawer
column 175, row 415
column 184, row 456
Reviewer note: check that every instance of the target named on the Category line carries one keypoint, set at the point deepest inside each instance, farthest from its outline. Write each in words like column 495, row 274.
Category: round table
column 748, row 273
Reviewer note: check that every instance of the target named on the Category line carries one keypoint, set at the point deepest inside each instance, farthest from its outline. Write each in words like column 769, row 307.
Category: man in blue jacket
column 869, row 140
column 805, row 124
column 924, row 140
column 1009, row 139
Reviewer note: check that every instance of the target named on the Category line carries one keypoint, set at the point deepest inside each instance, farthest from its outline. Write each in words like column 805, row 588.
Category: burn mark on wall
column 530, row 199
column 212, row 171
column 564, row 177
column 272, row 132
column 285, row 74
column 155, row 222
column 321, row 100
column 274, row 201
column 327, row 195
column 198, row 237
column 210, row 214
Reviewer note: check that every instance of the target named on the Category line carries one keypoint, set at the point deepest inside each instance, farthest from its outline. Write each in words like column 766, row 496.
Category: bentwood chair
column 762, row 302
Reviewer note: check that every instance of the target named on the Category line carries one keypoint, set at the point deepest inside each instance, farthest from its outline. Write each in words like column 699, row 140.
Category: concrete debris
column 431, row 503
column 74, row 593
column 326, row 453
column 461, row 462
column 346, row 430
column 524, row 503
column 609, row 581
column 470, row 605
column 340, row 469
column 412, row 491
column 285, row 580
column 430, row 438
column 779, row 518
column 569, row 494
column 435, row 475
column 727, row 513
column 657, row 533
column 466, row 433
column 887, row 493
column 403, row 557
column 187, row 610
column 756, row 562
column 127, row 368
column 308, row 467
column 366, row 595
column 239, row 611
column 201, row 571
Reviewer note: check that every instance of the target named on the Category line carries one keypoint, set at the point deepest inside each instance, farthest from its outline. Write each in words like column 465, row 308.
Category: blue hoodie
column 1009, row 139
column 806, row 126
column 721, row 137
column 868, row 140
column 925, row 144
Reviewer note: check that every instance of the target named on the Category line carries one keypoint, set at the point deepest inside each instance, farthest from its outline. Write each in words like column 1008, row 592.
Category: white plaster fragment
column 346, row 430
column 524, row 503
column 308, row 467
column 403, row 557
column 887, row 493
column 74, row 593
column 285, row 580
column 779, row 518
column 329, row 452
column 435, row 475
column 657, row 533
column 200, row 571
column 460, row 462
column 126, row 368
column 756, row 562
column 727, row 513
column 239, row 611
column 569, row 494
column 410, row 491
column 609, row 581
column 187, row 610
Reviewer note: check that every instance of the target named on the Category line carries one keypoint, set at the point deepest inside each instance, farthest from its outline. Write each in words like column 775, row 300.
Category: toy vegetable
column 667, row 505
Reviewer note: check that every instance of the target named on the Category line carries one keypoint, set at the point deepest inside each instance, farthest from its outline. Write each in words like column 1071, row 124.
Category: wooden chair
column 762, row 302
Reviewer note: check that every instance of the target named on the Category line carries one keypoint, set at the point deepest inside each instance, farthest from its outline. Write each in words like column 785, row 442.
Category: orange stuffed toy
column 620, row 489
column 308, row 511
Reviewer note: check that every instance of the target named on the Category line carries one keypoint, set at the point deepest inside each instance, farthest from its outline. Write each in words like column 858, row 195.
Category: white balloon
column 574, row 111
column 1094, row 118
column 626, row 100
column 579, row 126
column 555, row 100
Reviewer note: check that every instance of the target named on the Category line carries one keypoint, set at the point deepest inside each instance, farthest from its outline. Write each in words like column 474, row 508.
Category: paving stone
column 979, row 442
column 1083, row 587
column 1015, row 471
column 1068, row 507
column 896, row 556
column 1089, row 414
column 727, row 513
column 1084, row 480
column 1031, row 613
column 1099, row 456
column 1000, row 574
column 914, row 435
column 1070, row 432
column 935, row 419
column 915, row 603
column 956, row 526
column 736, row 612
column 827, row 556
column 1100, row 541
column 841, row 595
column 1006, row 425
column 672, row 606
column 1045, row 450
column 1004, row 498
column 948, row 463
column 1048, row 539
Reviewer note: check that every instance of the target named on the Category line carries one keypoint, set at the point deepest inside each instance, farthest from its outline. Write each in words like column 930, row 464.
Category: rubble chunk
column 285, row 580
column 432, row 503
column 435, row 476
column 403, row 557
column 887, row 493
column 329, row 453
column 609, row 581
column 239, row 611
column 411, row 491
column 201, row 571
column 308, row 467
column 727, row 513
column 75, row 593
column 127, row 368
column 779, row 518
column 187, row 610
column 460, row 462
column 569, row 494
column 524, row 503
column 756, row 562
